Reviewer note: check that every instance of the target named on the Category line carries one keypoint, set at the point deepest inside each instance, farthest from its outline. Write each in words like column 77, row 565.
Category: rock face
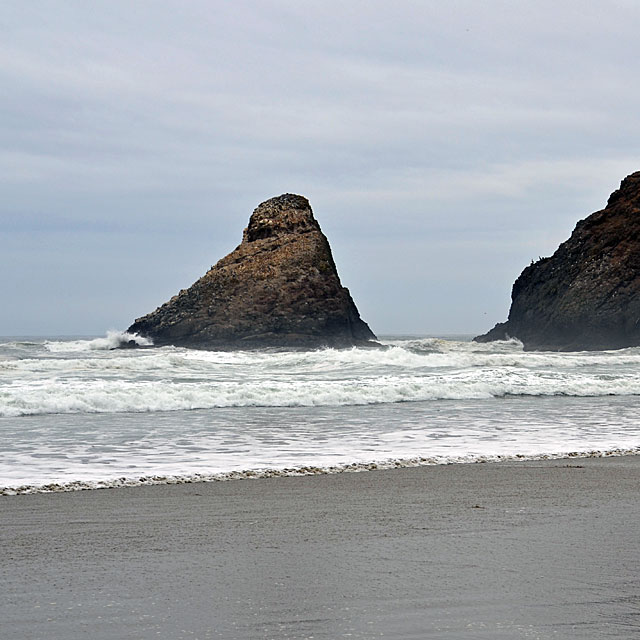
column 279, row 287
column 587, row 295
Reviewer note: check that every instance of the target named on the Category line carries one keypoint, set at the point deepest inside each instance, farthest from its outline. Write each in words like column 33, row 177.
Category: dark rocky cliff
column 279, row 287
column 587, row 295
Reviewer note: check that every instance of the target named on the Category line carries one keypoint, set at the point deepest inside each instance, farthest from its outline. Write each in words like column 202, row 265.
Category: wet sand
column 510, row 550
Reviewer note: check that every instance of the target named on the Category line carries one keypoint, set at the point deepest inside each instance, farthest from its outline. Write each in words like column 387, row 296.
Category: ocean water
column 80, row 414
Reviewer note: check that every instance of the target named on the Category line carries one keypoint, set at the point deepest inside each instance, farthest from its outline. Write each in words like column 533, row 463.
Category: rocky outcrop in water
column 586, row 296
column 279, row 287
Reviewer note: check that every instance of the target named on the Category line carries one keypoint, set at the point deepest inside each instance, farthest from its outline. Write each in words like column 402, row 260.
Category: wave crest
column 113, row 340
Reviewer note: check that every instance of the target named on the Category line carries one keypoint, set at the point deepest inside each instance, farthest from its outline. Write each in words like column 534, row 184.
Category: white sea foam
column 112, row 340
column 89, row 376
column 307, row 470
column 103, row 414
column 83, row 395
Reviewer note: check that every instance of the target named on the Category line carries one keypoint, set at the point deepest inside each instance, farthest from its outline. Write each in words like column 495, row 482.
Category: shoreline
column 545, row 548
column 302, row 471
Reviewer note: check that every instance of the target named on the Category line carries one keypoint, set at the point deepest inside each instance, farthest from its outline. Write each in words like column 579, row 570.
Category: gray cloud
column 442, row 146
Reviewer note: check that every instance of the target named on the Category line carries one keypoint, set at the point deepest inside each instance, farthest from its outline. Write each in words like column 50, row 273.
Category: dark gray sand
column 483, row 551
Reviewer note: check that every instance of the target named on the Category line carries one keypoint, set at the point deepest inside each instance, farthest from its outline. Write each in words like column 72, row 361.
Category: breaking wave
column 117, row 396
column 113, row 340
column 93, row 376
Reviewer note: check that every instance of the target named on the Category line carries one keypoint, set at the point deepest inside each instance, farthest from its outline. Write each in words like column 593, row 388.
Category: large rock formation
column 279, row 287
column 587, row 295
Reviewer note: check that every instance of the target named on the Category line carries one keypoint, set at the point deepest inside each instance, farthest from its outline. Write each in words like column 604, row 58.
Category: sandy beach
column 510, row 550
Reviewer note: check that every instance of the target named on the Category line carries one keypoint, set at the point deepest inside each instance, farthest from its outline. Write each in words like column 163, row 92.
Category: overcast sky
column 442, row 145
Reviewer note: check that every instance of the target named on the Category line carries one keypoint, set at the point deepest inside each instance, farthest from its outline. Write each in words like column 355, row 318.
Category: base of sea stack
column 544, row 549
column 547, row 339
column 290, row 342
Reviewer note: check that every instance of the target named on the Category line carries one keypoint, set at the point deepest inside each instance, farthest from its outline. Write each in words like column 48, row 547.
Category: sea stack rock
column 279, row 287
column 586, row 296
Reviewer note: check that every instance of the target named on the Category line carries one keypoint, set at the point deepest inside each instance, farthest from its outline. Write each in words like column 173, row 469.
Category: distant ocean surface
column 79, row 414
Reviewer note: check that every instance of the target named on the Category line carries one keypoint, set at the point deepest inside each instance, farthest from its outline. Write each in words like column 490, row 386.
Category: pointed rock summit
column 586, row 296
column 279, row 287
